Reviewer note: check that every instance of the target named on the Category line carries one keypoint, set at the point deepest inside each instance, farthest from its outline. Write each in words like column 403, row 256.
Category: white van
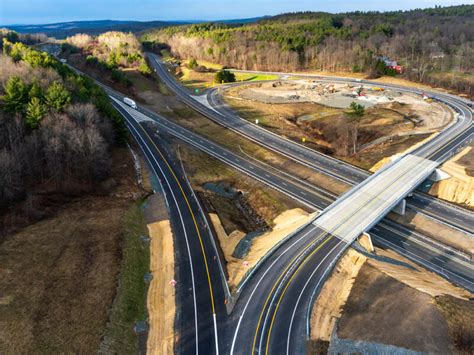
column 130, row 102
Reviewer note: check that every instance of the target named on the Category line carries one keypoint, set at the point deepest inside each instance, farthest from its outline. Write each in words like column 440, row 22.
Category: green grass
column 139, row 82
column 163, row 89
column 130, row 303
column 254, row 77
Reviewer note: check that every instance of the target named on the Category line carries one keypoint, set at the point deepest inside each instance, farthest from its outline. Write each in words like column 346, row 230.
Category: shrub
column 224, row 76
column 192, row 63
column 144, row 68
column 201, row 69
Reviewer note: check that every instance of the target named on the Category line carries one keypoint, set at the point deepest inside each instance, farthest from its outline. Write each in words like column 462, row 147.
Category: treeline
column 26, row 38
column 110, row 51
column 56, row 127
column 426, row 42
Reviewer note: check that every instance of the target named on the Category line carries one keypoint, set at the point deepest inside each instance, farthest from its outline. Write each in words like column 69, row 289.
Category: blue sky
column 47, row 11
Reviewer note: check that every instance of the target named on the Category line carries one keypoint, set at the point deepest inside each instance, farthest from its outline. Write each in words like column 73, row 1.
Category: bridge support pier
column 401, row 207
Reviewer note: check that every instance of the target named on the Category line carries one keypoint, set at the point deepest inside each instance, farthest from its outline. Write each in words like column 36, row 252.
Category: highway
column 387, row 234
column 309, row 266
column 212, row 106
column 199, row 291
column 271, row 311
column 414, row 248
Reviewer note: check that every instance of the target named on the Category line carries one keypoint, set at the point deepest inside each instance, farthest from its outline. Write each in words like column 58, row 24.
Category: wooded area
column 56, row 127
column 435, row 46
column 110, row 51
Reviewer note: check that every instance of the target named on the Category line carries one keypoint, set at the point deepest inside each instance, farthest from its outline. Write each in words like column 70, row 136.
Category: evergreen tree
column 16, row 95
column 357, row 110
column 35, row 111
column 57, row 96
column 224, row 76
column 35, row 91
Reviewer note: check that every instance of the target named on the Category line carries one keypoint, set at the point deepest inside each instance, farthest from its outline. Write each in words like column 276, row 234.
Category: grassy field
column 130, row 303
column 59, row 276
column 254, row 77
column 201, row 81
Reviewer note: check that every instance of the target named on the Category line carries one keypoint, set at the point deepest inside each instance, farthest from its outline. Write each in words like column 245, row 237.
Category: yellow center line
column 192, row 216
column 333, row 232
column 284, row 291
column 278, row 280
column 296, row 271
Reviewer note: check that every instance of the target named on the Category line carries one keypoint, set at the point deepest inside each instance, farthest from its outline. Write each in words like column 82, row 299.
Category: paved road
column 200, row 292
column 415, row 246
column 272, row 310
column 300, row 274
column 214, row 108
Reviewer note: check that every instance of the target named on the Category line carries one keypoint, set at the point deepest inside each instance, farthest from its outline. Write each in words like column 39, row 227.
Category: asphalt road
column 200, row 293
column 214, row 108
column 271, row 312
column 387, row 234
column 303, row 266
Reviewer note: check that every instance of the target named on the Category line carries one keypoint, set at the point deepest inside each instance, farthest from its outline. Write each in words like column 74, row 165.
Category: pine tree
column 35, row 111
column 35, row 91
column 57, row 96
column 16, row 95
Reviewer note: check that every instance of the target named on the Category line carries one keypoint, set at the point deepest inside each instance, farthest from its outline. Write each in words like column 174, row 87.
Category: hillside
column 70, row 216
column 433, row 46
column 57, row 128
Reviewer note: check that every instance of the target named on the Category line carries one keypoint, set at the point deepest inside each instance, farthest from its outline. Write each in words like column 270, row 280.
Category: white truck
column 130, row 102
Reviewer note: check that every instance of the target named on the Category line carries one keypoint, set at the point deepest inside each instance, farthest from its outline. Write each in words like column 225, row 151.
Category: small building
column 398, row 68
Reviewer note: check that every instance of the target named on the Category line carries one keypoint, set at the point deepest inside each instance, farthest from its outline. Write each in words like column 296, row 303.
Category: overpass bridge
column 363, row 206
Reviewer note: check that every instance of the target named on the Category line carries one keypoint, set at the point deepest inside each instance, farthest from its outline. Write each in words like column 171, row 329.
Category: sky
column 50, row 11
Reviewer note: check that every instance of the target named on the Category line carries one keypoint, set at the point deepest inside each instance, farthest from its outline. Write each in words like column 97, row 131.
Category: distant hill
column 242, row 21
column 64, row 29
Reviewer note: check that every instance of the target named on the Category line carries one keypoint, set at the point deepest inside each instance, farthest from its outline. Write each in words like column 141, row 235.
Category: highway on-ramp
column 271, row 312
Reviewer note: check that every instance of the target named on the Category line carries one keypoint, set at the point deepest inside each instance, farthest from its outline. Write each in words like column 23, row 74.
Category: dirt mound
column 459, row 187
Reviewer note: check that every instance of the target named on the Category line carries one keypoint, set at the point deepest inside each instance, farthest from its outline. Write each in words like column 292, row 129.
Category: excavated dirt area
column 430, row 115
column 284, row 224
column 316, row 115
column 161, row 295
column 459, row 187
column 370, row 304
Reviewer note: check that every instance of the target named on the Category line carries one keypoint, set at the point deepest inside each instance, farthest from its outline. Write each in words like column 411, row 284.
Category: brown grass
column 459, row 315
column 59, row 276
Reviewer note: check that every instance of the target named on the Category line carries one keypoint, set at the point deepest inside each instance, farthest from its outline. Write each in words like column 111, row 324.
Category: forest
column 434, row 46
column 56, row 127
column 110, row 51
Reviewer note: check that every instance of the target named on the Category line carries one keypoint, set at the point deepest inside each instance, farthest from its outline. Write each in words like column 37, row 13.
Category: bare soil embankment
column 392, row 304
column 459, row 188
column 283, row 225
column 161, row 295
